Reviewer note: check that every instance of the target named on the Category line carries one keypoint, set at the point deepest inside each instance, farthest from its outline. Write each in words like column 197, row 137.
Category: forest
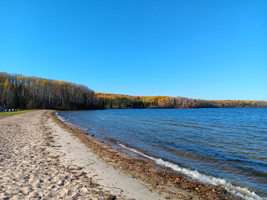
column 27, row 92
column 127, row 101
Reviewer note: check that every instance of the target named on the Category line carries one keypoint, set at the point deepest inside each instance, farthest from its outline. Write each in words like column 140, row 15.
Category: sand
column 41, row 160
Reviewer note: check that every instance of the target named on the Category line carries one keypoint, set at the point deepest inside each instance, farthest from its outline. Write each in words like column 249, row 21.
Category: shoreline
column 160, row 178
column 114, row 181
column 43, row 157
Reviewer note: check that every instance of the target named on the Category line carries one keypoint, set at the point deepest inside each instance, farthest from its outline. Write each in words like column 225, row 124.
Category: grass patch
column 7, row 114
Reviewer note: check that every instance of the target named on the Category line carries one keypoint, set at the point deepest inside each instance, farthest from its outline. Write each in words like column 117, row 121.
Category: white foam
column 60, row 118
column 66, row 122
column 238, row 191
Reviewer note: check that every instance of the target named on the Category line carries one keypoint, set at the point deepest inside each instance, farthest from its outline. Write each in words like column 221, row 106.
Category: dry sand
column 41, row 160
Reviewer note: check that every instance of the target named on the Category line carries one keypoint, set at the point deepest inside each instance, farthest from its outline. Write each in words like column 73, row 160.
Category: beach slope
column 39, row 159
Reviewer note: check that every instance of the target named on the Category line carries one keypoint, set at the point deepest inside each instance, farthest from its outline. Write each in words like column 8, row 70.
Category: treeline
column 126, row 101
column 27, row 92
column 21, row 92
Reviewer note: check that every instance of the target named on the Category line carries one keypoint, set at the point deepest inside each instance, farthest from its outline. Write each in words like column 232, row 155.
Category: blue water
column 230, row 144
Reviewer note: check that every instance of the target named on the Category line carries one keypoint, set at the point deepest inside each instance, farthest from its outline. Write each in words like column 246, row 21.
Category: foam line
column 238, row 191
column 66, row 122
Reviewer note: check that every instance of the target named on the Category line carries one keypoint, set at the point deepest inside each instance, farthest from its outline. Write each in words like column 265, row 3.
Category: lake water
column 225, row 146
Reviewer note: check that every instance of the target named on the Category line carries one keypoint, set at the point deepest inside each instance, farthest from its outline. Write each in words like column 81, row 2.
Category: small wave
column 67, row 122
column 60, row 118
column 238, row 191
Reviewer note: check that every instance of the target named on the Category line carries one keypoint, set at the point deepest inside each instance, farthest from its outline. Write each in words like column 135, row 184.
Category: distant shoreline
column 26, row 92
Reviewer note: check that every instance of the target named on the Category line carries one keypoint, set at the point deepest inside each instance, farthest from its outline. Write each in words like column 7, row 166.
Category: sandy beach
column 43, row 158
column 40, row 160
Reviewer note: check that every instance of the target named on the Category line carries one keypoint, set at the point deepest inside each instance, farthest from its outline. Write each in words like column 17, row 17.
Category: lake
column 223, row 146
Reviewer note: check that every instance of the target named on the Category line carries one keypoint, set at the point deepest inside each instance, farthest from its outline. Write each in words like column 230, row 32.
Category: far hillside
column 27, row 92
column 126, row 101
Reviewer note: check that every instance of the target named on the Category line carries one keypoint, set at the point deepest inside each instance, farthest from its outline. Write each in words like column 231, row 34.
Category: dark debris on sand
column 162, row 180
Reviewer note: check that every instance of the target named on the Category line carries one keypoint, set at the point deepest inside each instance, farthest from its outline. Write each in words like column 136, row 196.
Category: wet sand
column 43, row 158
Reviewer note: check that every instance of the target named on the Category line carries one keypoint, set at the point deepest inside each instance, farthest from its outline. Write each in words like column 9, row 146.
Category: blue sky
column 198, row 49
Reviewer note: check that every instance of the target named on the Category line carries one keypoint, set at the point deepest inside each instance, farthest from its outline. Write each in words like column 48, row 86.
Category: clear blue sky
column 213, row 49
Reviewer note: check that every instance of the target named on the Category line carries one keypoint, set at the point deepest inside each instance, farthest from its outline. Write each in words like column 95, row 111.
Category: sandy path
column 40, row 160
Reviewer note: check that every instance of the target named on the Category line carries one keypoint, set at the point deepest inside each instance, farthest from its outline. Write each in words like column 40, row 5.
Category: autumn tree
column 17, row 91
